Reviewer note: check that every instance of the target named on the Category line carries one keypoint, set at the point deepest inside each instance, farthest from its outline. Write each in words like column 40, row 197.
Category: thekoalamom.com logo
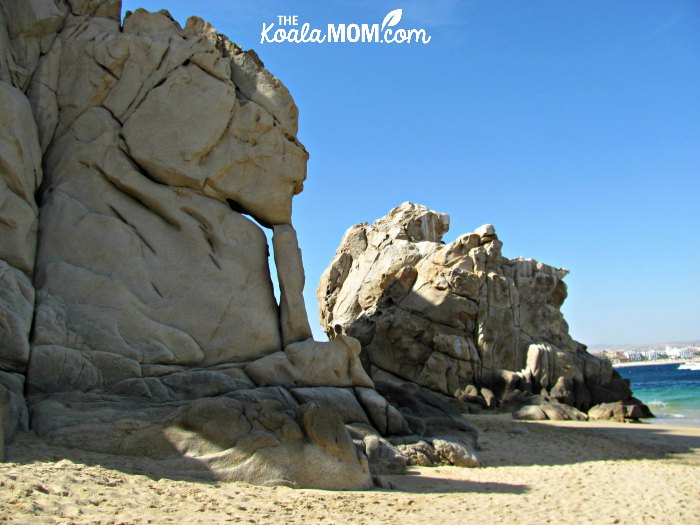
column 289, row 31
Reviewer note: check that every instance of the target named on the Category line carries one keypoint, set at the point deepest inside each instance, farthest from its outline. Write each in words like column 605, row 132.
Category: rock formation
column 139, row 162
column 459, row 318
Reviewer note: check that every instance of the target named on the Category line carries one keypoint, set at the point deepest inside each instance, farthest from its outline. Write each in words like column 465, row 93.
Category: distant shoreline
column 657, row 362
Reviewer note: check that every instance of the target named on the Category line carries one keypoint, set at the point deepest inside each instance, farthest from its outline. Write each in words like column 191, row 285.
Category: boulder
column 21, row 174
column 419, row 454
column 143, row 321
column 341, row 400
column 312, row 363
column 383, row 457
column 444, row 450
column 631, row 410
column 538, row 408
column 457, row 317
column 426, row 413
column 294, row 323
column 384, row 417
column 530, row 413
column 258, row 437
column 489, row 398
column 457, row 453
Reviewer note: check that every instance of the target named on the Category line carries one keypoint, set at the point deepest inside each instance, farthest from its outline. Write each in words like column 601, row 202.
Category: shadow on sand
column 416, row 482
column 504, row 443
column 514, row 443
column 28, row 448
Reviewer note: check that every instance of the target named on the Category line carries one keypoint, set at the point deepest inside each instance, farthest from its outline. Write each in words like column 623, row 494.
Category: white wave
column 689, row 366
column 656, row 403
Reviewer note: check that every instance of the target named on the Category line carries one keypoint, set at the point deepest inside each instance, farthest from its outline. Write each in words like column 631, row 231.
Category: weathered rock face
column 141, row 259
column 122, row 178
column 458, row 318
column 138, row 162
column 20, row 176
column 153, row 140
column 133, row 288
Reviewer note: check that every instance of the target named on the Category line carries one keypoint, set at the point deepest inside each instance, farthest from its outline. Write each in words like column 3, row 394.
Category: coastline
column 536, row 472
column 659, row 362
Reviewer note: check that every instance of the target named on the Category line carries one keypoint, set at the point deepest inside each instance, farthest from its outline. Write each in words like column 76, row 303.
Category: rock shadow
column 534, row 443
column 415, row 482
column 27, row 448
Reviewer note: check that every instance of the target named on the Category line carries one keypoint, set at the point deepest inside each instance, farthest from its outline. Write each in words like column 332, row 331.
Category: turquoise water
column 671, row 392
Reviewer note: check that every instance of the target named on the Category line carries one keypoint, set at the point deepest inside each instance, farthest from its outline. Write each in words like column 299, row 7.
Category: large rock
column 539, row 408
column 312, row 363
column 149, row 156
column 20, row 176
column 124, row 182
column 16, row 310
column 142, row 320
column 383, row 457
column 13, row 408
column 458, row 317
column 631, row 410
column 294, row 322
column 28, row 30
column 262, row 437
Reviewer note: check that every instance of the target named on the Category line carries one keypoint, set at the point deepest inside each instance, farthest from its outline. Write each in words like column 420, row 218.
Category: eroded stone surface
column 141, row 319
column 145, row 153
column 312, row 363
column 259, row 436
column 294, row 322
column 20, row 175
column 458, row 317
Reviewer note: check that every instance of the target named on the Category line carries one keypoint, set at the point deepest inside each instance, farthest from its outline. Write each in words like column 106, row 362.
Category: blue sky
column 573, row 127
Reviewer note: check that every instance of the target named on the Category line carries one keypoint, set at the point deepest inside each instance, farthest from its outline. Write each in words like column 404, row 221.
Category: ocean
column 671, row 391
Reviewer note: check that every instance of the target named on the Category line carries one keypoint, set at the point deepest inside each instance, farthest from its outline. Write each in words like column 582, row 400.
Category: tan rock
column 450, row 315
column 155, row 141
column 383, row 458
column 97, row 8
column 145, row 154
column 29, row 26
column 383, row 416
column 413, row 222
column 312, row 363
column 619, row 411
column 340, row 400
column 20, row 176
column 16, row 311
column 530, row 413
column 262, row 438
column 13, row 408
column 294, row 323
column 457, row 453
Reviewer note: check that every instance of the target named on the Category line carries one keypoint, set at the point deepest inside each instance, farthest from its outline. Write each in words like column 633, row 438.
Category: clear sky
column 572, row 126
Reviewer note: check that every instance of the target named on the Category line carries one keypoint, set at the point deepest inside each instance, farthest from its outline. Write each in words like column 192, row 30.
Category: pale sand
column 574, row 473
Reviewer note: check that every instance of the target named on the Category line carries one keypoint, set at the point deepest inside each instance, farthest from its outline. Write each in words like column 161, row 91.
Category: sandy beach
column 536, row 473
